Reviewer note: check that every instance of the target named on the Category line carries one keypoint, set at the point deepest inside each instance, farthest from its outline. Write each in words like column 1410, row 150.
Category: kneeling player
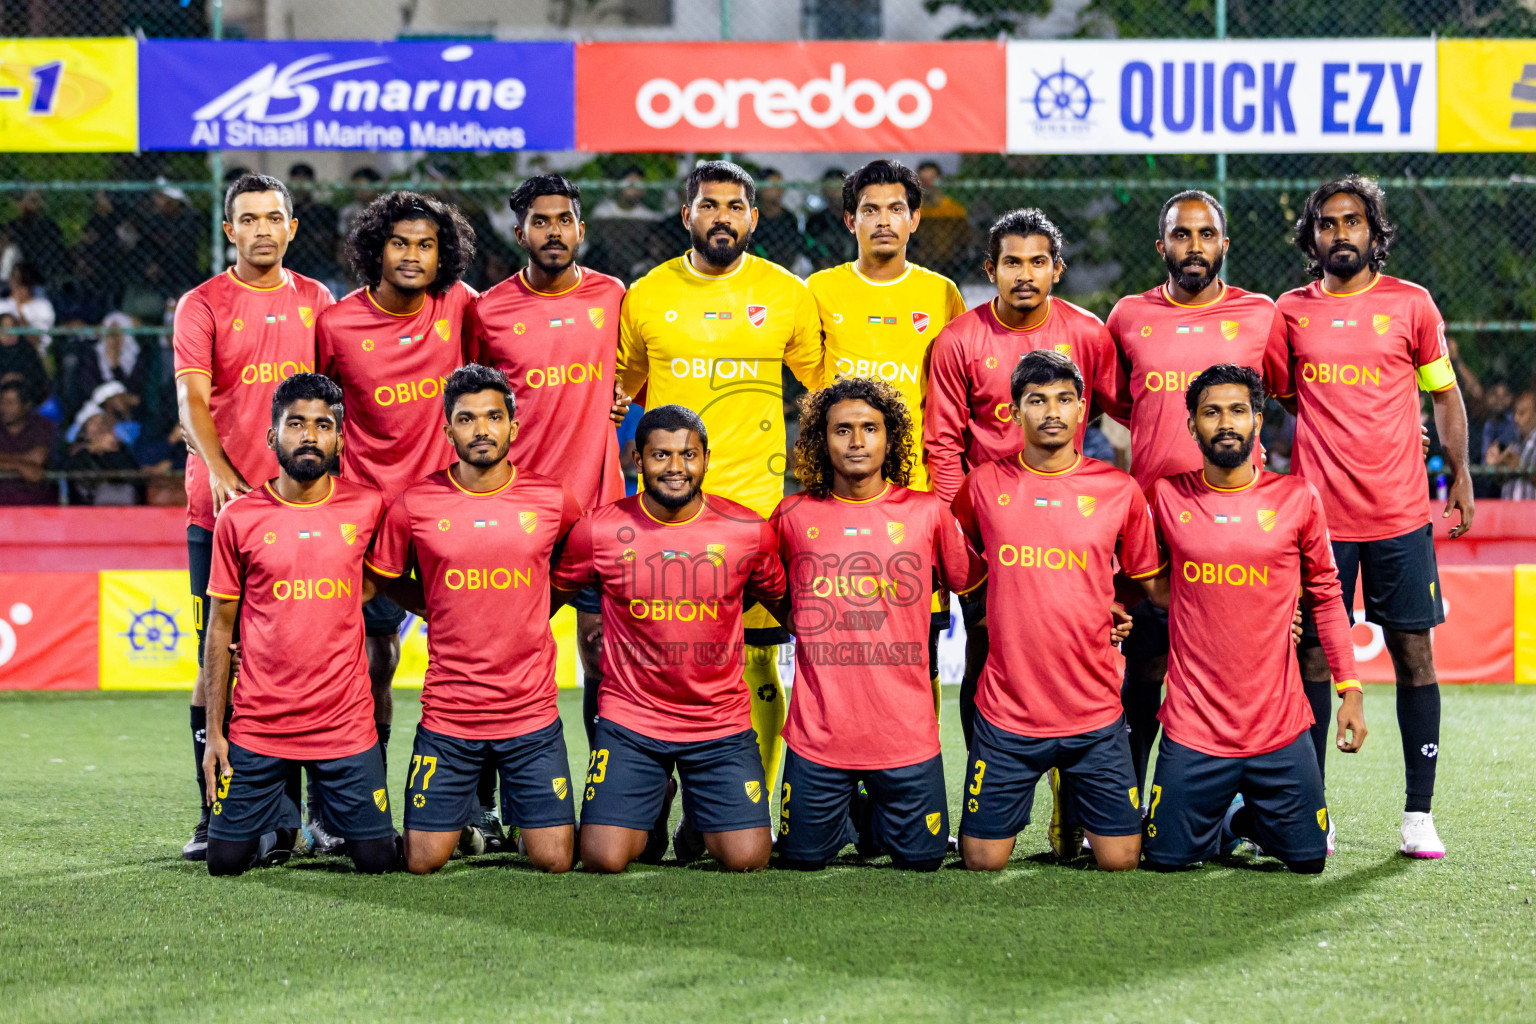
column 481, row 535
column 288, row 561
column 1053, row 523
column 861, row 550
column 1243, row 543
column 674, row 566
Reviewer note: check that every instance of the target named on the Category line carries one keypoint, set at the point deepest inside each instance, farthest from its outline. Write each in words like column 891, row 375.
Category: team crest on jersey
column 349, row 532
column 381, row 799
column 238, row 324
column 561, row 788
column 1086, row 503
column 715, row 553
column 991, row 362
column 270, row 538
column 812, row 532
column 1135, row 801
column 307, row 315
column 896, row 531
column 1266, row 519
column 442, row 329
column 757, row 315
column 1380, row 322
column 754, row 791
column 529, row 521
column 935, row 821
column 1146, row 331
column 920, row 322
column 443, row 524
column 1229, row 329
column 1064, row 348
column 1322, row 818
column 595, row 314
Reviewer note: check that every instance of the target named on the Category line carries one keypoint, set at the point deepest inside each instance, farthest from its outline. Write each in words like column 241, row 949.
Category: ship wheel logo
column 153, row 630
column 1062, row 96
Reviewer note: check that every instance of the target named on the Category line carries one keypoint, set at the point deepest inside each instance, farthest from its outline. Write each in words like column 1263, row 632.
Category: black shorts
column 1004, row 768
column 1191, row 792
column 910, row 813
column 382, row 617
column 255, row 800
column 444, row 775
column 1401, row 581
column 199, row 567
column 627, row 774
column 765, row 636
column 1149, row 633
column 589, row 600
column 973, row 609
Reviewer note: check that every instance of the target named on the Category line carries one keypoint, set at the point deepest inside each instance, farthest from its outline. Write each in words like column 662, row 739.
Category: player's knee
column 932, row 864
column 745, row 855
column 603, row 860
column 422, row 862
column 982, row 858
column 374, row 856
column 228, row 858
column 1307, row 867
column 552, row 861
column 1118, row 859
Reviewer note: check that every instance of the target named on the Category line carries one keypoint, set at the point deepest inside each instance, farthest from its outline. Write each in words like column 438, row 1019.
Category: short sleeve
column 576, row 569
column 325, row 351
column 1430, row 355
column 1103, row 375
column 961, row 566
column 570, row 512
column 804, row 353
column 946, row 415
column 964, row 508
column 954, row 302
column 1277, row 357
column 226, row 576
column 192, row 335
column 767, row 576
column 392, row 544
column 1120, row 390
column 633, row 358
column 1141, row 556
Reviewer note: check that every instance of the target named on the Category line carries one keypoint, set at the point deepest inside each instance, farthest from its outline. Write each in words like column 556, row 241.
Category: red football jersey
column 1357, row 364
column 246, row 340
column 672, row 611
column 1052, row 543
column 1240, row 558
column 860, row 576
column 391, row 367
column 482, row 558
column 969, row 387
column 1164, row 345
column 559, row 350
column 298, row 572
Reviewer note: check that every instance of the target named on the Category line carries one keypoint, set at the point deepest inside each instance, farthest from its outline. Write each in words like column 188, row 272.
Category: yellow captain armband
column 1343, row 686
column 1436, row 376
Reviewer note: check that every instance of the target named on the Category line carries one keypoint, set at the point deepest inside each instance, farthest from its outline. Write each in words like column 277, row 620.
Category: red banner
column 868, row 97
column 1477, row 642
column 48, row 630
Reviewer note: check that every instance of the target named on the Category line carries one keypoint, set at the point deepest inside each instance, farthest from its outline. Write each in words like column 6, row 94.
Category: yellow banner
column 1487, row 95
column 69, row 95
column 412, row 671
column 148, row 638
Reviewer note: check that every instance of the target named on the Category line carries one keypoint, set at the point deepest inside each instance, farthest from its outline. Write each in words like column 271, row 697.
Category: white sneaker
column 1333, row 835
column 1419, row 836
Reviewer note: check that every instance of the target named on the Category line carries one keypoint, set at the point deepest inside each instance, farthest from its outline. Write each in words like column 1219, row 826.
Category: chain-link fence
column 114, row 239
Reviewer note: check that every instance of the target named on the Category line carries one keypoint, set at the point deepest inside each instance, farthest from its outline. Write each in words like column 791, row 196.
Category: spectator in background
column 828, row 240
column 778, row 229
column 20, row 361
column 312, row 252
column 26, row 442
column 365, row 188
column 115, row 356
column 145, row 299
column 172, row 232
column 629, row 204
column 942, row 241
column 37, row 237
column 1520, row 456
column 28, row 303
column 1499, row 426
column 97, row 447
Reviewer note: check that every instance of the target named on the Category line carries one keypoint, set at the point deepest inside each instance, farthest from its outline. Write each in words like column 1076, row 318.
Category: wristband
column 1343, row 686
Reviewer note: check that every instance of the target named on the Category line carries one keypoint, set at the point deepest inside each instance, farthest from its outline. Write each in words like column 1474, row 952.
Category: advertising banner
column 861, row 96
column 1475, row 645
column 356, row 95
column 69, row 95
column 148, row 631
column 1222, row 96
column 48, row 631
column 412, row 670
column 1487, row 95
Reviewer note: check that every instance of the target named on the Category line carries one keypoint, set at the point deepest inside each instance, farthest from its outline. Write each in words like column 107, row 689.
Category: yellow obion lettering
column 854, row 586
column 1340, row 373
column 1226, row 575
column 887, row 370
column 311, row 590
column 271, row 373
column 1026, row 556
column 554, row 376
column 679, row 609
column 409, row 391
column 488, row 579
column 1170, row 380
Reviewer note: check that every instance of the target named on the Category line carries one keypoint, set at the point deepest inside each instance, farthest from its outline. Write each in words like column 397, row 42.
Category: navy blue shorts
column 589, row 600
column 444, row 775
column 627, row 772
column 382, row 617
column 1400, row 577
column 1004, row 768
column 255, row 800
column 1149, row 633
column 199, row 566
column 910, row 813
column 1191, row 792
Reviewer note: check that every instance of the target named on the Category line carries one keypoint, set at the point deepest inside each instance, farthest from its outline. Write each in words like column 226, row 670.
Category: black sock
column 1320, row 695
column 1241, row 824
column 485, row 791
column 1141, row 699
column 231, row 857
column 382, row 729
column 374, row 856
column 1307, row 867
column 199, row 748
column 978, row 644
column 589, row 710
column 1418, row 718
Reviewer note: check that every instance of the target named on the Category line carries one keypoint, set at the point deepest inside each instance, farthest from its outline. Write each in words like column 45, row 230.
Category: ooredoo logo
column 21, row 615
column 779, row 103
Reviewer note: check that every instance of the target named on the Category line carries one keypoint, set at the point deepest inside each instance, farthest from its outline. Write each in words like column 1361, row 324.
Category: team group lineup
column 416, row 448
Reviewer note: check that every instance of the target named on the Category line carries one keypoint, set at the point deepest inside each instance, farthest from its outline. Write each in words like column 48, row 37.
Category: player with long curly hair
column 813, row 459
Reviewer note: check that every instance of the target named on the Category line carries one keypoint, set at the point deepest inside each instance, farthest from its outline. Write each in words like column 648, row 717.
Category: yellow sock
column 768, row 708
column 938, row 698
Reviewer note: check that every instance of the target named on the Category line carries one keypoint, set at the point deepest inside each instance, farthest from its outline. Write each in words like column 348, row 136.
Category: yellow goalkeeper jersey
column 885, row 329
column 716, row 345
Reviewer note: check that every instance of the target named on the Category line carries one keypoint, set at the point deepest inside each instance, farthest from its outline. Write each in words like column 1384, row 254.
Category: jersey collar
column 1257, row 474
column 865, row 501
column 302, row 504
column 480, row 494
column 1050, row 301
column 710, row 278
column 640, row 499
column 1041, row 472
column 1349, row 295
column 1195, row 305
column 368, row 293
column 250, row 287
column 522, row 279
column 906, row 273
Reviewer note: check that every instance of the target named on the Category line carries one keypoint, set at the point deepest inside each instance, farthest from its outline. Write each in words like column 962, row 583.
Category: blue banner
column 198, row 94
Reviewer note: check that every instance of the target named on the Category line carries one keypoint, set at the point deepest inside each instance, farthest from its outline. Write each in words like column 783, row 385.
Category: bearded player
column 288, row 562
column 480, row 536
column 674, row 566
column 235, row 336
column 712, row 330
column 1362, row 346
column 1242, row 544
column 390, row 345
column 861, row 549
column 1055, row 526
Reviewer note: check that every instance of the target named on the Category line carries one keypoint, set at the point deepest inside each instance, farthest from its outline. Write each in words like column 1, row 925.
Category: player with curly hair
column 862, row 549
column 390, row 345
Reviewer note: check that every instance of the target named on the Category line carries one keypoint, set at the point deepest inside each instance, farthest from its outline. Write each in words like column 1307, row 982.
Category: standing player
column 553, row 329
column 1165, row 337
column 674, row 566
column 236, row 335
column 1055, row 526
column 391, row 345
column 288, row 562
column 711, row 331
column 861, row 549
column 1242, row 544
column 480, row 535
column 970, row 392
column 1362, row 346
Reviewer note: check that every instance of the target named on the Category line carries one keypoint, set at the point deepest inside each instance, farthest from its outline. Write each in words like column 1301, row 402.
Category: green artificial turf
column 100, row 920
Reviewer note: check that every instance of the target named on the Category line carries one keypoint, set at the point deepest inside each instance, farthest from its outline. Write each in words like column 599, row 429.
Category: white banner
column 1222, row 96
